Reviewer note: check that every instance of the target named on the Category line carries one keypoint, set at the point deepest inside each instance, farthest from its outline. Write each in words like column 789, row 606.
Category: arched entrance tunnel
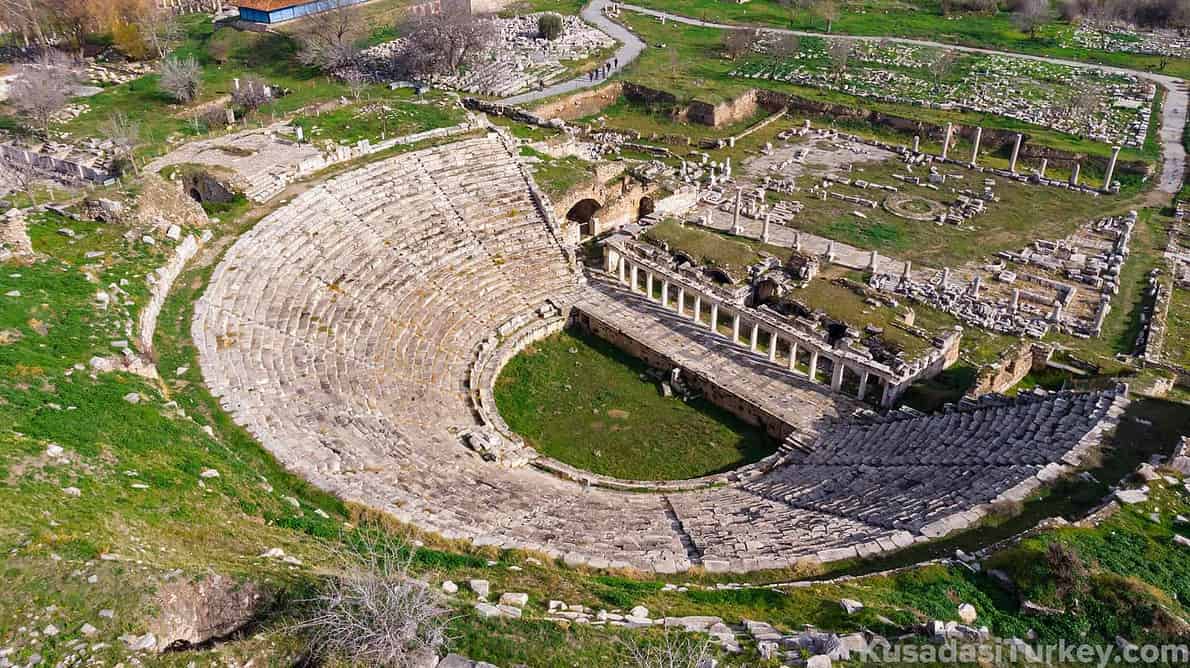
column 646, row 207
column 582, row 213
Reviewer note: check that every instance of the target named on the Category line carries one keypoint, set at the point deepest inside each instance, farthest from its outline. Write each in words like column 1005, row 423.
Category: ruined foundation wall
column 584, row 103
column 736, row 405
column 725, row 113
column 1012, row 366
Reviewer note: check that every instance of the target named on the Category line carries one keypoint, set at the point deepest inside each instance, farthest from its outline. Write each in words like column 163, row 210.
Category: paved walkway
column 630, row 48
column 1173, row 112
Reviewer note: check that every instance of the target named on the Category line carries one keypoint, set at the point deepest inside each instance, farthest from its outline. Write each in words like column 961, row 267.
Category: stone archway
column 645, row 207
column 583, row 212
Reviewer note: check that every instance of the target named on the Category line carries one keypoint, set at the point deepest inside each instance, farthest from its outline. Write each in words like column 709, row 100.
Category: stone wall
column 161, row 282
column 584, row 103
column 739, row 406
column 1011, row 367
column 590, row 102
column 725, row 113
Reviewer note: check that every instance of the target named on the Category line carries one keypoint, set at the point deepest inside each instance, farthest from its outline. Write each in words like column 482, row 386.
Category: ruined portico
column 788, row 341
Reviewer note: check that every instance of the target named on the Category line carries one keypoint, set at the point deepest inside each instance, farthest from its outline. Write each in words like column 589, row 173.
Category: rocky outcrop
column 192, row 612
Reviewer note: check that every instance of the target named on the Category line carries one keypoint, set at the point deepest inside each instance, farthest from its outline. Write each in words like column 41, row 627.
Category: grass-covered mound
column 583, row 401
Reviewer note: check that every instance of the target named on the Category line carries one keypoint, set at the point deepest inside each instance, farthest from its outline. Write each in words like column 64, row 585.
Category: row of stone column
column 629, row 273
column 1016, row 150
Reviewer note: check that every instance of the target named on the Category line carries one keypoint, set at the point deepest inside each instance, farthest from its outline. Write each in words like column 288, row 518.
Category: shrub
column 373, row 611
column 181, row 79
column 251, row 95
column 549, row 26
column 673, row 650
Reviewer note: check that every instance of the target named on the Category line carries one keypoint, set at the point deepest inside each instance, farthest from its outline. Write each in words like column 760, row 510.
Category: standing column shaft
column 735, row 327
column 1111, row 167
column 946, row 140
column 697, row 308
column 975, row 150
column 793, row 355
column 773, row 346
column 1016, row 151
column 813, row 366
column 755, row 336
column 836, row 374
column 714, row 316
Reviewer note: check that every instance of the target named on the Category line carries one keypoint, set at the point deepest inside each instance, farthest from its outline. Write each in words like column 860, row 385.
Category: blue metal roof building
column 278, row 11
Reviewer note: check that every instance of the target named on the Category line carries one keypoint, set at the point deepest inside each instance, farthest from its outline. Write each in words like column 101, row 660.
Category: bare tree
column 159, row 28
column 839, row 52
column 181, row 79
column 43, row 87
column 22, row 16
column 673, row 650
column 787, row 46
column 356, row 82
column 737, row 42
column 441, row 43
column 124, row 133
column 942, row 66
column 373, row 611
column 328, row 38
column 827, row 10
column 252, row 94
column 24, row 178
column 1029, row 15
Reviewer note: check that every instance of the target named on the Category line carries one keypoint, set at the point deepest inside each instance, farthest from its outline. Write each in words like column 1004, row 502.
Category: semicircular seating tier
column 341, row 330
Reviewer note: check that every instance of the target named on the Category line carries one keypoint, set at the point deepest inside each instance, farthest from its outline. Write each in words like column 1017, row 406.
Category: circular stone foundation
column 913, row 207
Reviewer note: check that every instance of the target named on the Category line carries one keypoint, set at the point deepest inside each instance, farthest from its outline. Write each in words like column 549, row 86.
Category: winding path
column 630, row 47
column 1173, row 112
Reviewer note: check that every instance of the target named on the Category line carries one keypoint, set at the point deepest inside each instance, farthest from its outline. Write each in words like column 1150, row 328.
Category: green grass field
column 687, row 62
column 582, row 401
column 1177, row 332
column 918, row 19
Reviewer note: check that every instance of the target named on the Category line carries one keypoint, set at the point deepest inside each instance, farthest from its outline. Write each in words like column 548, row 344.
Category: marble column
column 697, row 308
column 813, row 366
column 635, row 284
column 1074, row 174
column 946, row 140
column 773, row 346
column 755, row 337
column 715, row 317
column 793, row 355
column 681, row 301
column 623, row 270
column 1016, row 151
column 665, row 293
column 739, row 203
column 735, row 327
column 1111, row 168
column 975, row 149
column 649, row 284
column 863, row 384
column 837, row 374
